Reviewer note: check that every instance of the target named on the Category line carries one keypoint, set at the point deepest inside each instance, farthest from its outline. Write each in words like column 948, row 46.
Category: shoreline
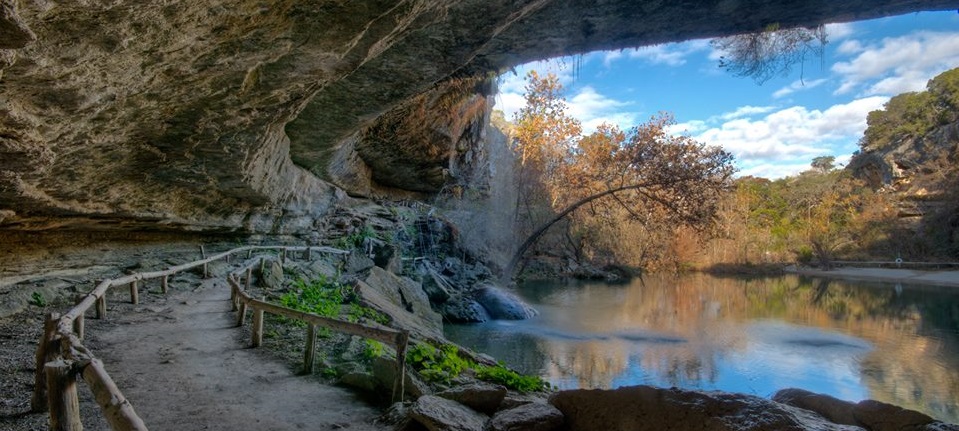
column 911, row 276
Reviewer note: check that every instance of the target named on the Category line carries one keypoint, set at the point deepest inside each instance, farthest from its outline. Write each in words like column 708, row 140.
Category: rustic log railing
column 61, row 356
column 243, row 302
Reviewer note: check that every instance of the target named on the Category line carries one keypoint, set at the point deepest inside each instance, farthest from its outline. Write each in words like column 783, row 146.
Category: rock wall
column 217, row 115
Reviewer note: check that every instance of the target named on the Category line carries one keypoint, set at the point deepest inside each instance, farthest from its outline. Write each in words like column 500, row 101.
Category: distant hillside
column 910, row 151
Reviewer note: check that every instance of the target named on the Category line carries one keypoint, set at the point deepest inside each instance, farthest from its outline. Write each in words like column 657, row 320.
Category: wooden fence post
column 134, row 293
column 402, row 339
column 249, row 278
column 78, row 323
column 283, row 256
column 206, row 268
column 234, row 298
column 257, row 327
column 165, row 284
column 102, row 306
column 47, row 350
column 249, row 253
column 309, row 253
column 62, row 396
column 241, row 315
column 309, row 356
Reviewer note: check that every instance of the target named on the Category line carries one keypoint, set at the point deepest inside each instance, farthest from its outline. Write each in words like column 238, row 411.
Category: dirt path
column 184, row 366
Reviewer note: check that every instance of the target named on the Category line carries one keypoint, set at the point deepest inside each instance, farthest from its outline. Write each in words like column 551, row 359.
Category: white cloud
column 687, row 128
column 840, row 30
column 790, row 136
column 849, row 47
column 670, row 54
column 798, row 85
column 898, row 64
column 773, row 171
column 742, row 111
column 592, row 109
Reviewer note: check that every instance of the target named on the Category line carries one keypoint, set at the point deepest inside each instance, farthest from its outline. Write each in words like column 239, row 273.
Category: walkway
column 184, row 366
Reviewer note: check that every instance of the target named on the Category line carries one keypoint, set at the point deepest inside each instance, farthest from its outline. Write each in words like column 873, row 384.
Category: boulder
column 503, row 305
column 482, row 397
column 516, row 399
column 463, row 309
column 384, row 370
column 528, row 417
column 358, row 262
column 834, row 409
column 382, row 292
column 271, row 275
column 649, row 408
column 879, row 416
column 403, row 292
column 870, row 414
column 441, row 414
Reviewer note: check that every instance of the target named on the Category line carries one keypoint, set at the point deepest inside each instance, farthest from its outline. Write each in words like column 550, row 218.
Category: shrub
column 511, row 379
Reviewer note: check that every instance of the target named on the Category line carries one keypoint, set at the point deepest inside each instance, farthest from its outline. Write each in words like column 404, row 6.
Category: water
column 852, row 340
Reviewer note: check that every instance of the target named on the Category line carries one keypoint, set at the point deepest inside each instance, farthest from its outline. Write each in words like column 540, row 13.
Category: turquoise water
column 853, row 340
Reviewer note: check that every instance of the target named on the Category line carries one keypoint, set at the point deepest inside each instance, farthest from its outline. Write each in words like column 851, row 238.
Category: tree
column 824, row 164
column 770, row 52
column 648, row 170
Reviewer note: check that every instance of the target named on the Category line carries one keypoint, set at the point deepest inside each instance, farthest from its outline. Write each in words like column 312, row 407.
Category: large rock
column 528, row 417
column 441, row 414
column 396, row 297
column 236, row 115
column 640, row 408
column 463, row 309
column 503, row 305
column 482, row 397
column 869, row 414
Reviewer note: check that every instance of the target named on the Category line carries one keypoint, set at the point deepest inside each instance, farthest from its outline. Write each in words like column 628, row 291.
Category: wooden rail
column 61, row 356
column 243, row 302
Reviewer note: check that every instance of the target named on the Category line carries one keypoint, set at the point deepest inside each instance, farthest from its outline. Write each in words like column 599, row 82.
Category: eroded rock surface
column 219, row 115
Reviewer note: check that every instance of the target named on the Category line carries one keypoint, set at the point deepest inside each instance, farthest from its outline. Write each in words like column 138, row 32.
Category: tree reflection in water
column 851, row 340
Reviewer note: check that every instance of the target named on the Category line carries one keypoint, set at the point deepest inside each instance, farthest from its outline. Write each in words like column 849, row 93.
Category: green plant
column 437, row 364
column 373, row 349
column 37, row 299
column 358, row 312
column 319, row 296
column 511, row 379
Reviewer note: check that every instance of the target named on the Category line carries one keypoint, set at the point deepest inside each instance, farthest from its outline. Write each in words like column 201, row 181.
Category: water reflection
column 850, row 340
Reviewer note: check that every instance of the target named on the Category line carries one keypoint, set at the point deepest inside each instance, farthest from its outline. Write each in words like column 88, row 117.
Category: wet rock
column 503, row 305
column 516, row 399
column 528, row 417
column 482, row 397
column 435, row 287
column 463, row 309
column 648, row 408
column 441, row 414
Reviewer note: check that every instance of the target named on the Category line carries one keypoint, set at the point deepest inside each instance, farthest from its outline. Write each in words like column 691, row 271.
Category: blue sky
column 774, row 129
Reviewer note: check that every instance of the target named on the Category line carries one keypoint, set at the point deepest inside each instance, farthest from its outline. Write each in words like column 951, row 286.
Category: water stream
column 853, row 340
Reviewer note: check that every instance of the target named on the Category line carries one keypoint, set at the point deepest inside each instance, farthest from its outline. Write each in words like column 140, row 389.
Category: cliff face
column 252, row 116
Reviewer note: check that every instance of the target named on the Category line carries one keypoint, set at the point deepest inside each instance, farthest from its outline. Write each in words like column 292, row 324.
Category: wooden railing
column 61, row 355
column 244, row 303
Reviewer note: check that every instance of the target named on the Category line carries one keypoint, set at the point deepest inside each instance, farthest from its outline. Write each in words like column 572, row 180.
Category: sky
column 774, row 129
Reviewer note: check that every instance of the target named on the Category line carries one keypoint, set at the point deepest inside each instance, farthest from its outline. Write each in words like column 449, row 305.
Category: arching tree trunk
column 535, row 236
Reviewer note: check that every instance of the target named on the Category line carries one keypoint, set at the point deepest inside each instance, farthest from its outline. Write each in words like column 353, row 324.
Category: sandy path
column 184, row 366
